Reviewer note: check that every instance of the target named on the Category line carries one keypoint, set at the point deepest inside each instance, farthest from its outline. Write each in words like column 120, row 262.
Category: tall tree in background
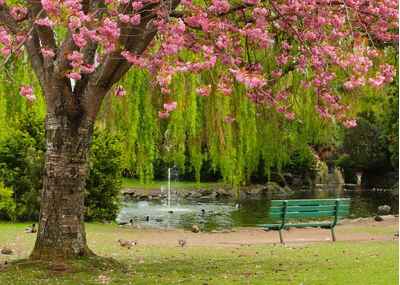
column 79, row 49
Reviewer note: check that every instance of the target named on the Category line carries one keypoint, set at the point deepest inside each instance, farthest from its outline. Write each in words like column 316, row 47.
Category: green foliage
column 364, row 145
column 7, row 203
column 21, row 169
column 21, row 164
column 104, row 181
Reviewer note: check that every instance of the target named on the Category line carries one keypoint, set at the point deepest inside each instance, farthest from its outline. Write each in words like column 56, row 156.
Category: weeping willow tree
column 230, row 133
column 12, row 105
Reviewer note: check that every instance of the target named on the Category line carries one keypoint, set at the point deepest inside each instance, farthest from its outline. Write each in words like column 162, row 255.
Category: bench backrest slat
column 309, row 208
column 310, row 202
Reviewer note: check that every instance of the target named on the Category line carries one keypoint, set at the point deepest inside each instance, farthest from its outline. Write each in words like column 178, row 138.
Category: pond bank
column 361, row 229
column 210, row 191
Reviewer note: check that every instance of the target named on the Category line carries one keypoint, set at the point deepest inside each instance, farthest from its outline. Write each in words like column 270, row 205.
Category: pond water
column 225, row 214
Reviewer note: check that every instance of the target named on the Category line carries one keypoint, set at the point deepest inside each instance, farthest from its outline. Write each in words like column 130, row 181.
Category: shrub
column 365, row 146
column 104, row 181
column 21, row 169
column 7, row 203
column 21, row 164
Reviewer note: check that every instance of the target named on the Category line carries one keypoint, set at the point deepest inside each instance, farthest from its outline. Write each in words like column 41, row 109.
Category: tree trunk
column 61, row 232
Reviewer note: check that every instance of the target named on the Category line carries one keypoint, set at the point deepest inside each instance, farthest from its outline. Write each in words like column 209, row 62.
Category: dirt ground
column 363, row 229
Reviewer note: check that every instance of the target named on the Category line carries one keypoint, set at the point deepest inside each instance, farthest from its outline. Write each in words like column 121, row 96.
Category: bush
column 21, row 169
column 365, row 146
column 104, row 181
column 7, row 203
column 21, row 165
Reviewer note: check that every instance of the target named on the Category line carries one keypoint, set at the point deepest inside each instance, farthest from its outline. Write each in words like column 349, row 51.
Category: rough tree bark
column 61, row 226
column 72, row 108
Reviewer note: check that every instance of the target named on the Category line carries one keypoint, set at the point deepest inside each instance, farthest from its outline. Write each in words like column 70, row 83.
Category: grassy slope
column 136, row 184
column 323, row 263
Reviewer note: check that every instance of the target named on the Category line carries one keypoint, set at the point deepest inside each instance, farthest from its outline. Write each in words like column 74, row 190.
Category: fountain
column 169, row 188
column 359, row 178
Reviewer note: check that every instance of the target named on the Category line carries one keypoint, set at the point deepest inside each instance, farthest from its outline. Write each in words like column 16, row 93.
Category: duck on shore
column 31, row 230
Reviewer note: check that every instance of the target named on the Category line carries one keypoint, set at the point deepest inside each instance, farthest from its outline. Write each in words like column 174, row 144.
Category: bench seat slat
column 308, row 214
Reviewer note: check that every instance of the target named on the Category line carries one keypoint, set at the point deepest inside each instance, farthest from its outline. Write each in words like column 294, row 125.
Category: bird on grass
column 182, row 242
column 127, row 243
column 31, row 230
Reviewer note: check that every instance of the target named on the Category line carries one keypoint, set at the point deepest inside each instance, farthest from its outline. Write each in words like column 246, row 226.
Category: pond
column 224, row 214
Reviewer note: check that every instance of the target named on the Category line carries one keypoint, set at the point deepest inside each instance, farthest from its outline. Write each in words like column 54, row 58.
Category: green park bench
column 285, row 210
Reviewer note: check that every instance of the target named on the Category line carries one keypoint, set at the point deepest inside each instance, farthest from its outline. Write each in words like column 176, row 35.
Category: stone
column 274, row 187
column 6, row 251
column 384, row 210
column 195, row 194
column 195, row 229
column 378, row 219
column 223, row 193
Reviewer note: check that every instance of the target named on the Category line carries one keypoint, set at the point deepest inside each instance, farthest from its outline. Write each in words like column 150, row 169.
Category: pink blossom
column 120, row 91
column 5, row 51
column 219, row 6
column 109, row 33
column 163, row 114
column 133, row 59
column 289, row 115
column 45, row 22
column 51, row 6
column 135, row 19
column 87, row 68
column 251, row 2
column 74, row 23
column 18, row 12
column 350, row 124
column 124, row 18
column 47, row 53
column 377, row 81
column 229, row 119
column 170, row 106
column 76, row 59
column 248, row 79
column 204, row 91
column 224, row 88
column 27, row 92
column 74, row 75
column 136, row 5
column 79, row 40
column 5, row 38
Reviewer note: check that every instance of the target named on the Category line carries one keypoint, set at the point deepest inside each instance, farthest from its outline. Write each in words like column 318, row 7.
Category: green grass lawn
column 320, row 263
column 136, row 184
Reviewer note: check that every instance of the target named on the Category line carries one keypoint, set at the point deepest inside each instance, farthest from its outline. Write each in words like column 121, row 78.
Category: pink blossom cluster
column 5, row 41
column 327, row 42
column 76, row 60
column 27, row 92
column 250, row 80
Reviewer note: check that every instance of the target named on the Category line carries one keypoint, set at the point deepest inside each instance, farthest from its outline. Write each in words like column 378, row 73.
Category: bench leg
column 281, row 237
column 333, row 234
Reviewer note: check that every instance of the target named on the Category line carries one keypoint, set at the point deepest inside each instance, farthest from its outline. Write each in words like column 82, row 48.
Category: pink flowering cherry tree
column 80, row 49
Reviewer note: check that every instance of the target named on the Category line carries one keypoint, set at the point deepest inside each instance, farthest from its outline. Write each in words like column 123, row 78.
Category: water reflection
column 222, row 214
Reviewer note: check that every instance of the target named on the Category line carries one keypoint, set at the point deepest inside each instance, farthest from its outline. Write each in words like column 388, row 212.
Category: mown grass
column 321, row 263
column 137, row 184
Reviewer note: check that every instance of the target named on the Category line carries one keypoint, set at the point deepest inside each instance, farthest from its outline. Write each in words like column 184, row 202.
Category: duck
column 127, row 243
column 182, row 242
column 31, row 230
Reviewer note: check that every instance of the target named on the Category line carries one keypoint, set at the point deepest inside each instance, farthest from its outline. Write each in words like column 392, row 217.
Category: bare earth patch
column 363, row 229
